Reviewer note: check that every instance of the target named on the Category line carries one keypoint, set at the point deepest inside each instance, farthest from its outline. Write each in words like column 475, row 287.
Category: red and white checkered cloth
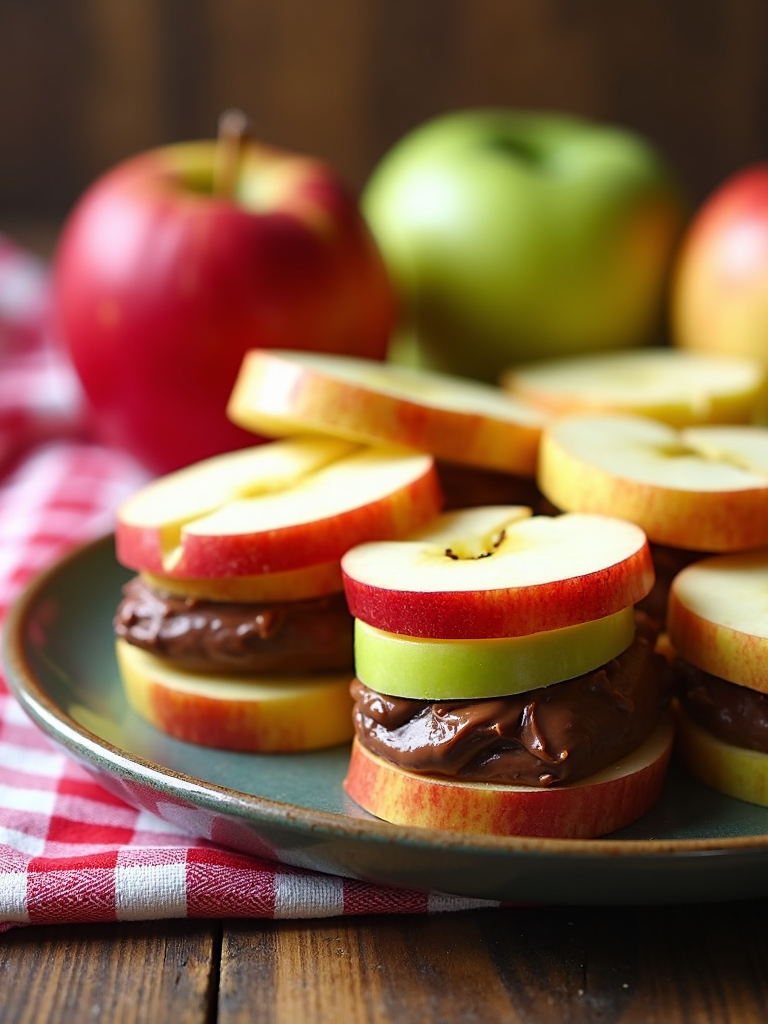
column 69, row 850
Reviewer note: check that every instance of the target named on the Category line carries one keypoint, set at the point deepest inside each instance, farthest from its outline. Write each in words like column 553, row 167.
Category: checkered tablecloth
column 69, row 850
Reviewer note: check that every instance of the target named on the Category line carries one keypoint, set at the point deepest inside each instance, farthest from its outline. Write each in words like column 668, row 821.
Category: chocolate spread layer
column 292, row 637
column 468, row 486
column 556, row 734
column 733, row 713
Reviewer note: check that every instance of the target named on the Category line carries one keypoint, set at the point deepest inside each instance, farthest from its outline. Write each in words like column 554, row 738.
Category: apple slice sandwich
column 718, row 627
column 694, row 491
column 504, row 683
column 485, row 441
column 235, row 632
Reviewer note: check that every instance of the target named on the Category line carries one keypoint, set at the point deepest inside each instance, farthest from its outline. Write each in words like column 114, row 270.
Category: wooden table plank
column 540, row 966
column 131, row 973
column 666, row 965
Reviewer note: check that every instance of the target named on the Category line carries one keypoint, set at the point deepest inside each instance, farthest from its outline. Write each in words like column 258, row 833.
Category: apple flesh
column 286, row 393
column 702, row 488
column 160, row 287
column 514, row 236
column 677, row 387
column 717, row 617
column 719, row 293
column 257, row 715
column 735, row 771
column 603, row 803
column 428, row 669
column 508, row 576
column 189, row 525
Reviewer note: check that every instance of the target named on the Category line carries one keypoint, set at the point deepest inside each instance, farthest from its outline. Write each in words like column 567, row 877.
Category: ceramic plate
column 694, row 846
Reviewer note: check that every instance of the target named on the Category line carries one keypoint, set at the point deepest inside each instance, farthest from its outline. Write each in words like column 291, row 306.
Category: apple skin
column 719, row 293
column 514, row 236
column 603, row 803
column 159, row 288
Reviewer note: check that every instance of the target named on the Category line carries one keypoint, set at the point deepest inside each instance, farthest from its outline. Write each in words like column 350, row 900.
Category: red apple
column 274, row 508
column 247, row 713
column 595, row 806
column 507, row 576
column 720, row 285
column 161, row 286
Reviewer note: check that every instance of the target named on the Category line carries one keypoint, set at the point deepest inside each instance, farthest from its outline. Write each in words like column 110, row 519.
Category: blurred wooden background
column 85, row 83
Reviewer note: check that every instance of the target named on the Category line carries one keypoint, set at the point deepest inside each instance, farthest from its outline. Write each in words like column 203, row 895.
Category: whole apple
column 720, row 284
column 515, row 236
column 161, row 286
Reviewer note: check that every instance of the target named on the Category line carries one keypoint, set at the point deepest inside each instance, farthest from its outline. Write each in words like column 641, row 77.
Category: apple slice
column 702, row 488
column 717, row 617
column 732, row 770
column 602, row 803
column 258, row 715
column 505, row 577
column 427, row 669
column 679, row 388
column 282, row 393
column 189, row 525
column 292, row 585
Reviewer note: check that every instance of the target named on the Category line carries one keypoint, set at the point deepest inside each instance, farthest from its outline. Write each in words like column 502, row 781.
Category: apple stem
column 233, row 126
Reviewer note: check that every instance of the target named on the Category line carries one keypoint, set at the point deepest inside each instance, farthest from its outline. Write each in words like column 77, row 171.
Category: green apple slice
column 677, row 387
column 426, row 669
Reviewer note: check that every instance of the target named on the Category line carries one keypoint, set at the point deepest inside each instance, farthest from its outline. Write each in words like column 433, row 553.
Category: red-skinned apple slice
column 428, row 669
column 679, row 388
column 259, row 715
column 272, row 525
column 603, row 803
column 701, row 489
column 463, row 580
column 735, row 771
column 281, row 393
column 717, row 617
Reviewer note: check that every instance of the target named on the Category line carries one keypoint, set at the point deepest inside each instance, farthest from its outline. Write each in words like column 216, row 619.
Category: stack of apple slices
column 235, row 633
column 485, row 441
column 718, row 626
column 503, row 685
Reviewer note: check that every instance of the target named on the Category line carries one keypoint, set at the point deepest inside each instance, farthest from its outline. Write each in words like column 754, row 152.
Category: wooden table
column 659, row 965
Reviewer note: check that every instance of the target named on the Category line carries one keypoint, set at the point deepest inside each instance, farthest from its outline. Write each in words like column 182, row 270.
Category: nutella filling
column 553, row 735
column 288, row 638
column 733, row 713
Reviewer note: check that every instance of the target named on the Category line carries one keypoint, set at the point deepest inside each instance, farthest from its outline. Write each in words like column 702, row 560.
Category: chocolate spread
column 468, row 486
column 556, row 734
column 733, row 713
column 292, row 637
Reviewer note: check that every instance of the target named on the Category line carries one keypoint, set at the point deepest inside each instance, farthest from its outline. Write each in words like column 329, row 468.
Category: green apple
column 514, row 236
